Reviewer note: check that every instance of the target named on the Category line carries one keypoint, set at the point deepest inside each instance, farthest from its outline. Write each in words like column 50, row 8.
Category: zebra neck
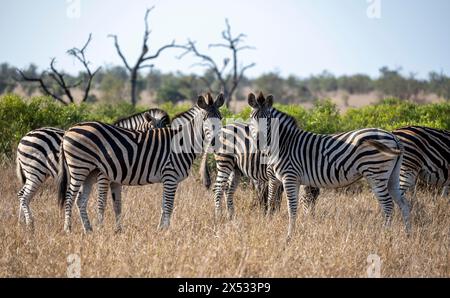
column 190, row 135
column 286, row 128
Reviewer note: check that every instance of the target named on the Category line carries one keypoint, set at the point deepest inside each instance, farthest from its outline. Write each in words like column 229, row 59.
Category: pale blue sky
column 291, row 36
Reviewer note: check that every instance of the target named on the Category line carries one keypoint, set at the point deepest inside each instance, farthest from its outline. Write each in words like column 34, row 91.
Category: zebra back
column 37, row 153
column 427, row 154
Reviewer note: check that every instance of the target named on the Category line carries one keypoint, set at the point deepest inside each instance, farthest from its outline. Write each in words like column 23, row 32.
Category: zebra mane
column 185, row 116
column 285, row 118
column 154, row 112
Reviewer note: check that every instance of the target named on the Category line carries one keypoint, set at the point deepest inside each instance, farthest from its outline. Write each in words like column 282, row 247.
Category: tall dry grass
column 335, row 243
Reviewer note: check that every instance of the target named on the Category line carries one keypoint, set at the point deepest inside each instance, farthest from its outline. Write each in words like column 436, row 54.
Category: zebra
column 37, row 158
column 128, row 157
column 156, row 117
column 236, row 156
column 297, row 157
column 426, row 157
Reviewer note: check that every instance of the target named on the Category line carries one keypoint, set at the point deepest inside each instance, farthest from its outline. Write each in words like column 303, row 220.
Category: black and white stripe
column 37, row 159
column 426, row 157
column 134, row 158
column 236, row 155
column 298, row 158
column 157, row 117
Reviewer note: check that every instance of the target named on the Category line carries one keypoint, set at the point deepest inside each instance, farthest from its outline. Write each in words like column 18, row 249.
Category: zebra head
column 261, row 119
column 152, row 122
column 211, row 117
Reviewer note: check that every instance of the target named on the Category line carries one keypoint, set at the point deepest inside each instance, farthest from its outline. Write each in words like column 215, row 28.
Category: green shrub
column 323, row 118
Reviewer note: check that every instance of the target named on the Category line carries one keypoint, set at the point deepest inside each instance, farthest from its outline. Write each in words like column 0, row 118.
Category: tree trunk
column 226, row 95
column 133, row 81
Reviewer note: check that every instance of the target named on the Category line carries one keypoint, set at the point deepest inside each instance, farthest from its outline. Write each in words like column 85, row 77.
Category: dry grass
column 336, row 242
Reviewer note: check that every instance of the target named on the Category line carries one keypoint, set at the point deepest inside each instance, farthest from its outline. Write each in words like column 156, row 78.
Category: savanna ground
column 347, row 229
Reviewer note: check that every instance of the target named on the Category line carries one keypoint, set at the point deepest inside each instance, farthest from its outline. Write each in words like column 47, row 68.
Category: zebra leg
column 408, row 181
column 261, row 190
column 170, row 187
column 25, row 195
column 273, row 192
column 398, row 196
column 308, row 199
column 400, row 200
column 74, row 188
column 224, row 174
column 116, row 193
column 381, row 190
column 233, row 182
column 102, row 187
column 445, row 191
column 277, row 198
column 404, row 207
column 291, row 185
column 82, row 200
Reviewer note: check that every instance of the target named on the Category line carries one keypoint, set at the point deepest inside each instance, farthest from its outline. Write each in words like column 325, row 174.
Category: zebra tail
column 204, row 171
column 384, row 149
column 62, row 178
column 19, row 172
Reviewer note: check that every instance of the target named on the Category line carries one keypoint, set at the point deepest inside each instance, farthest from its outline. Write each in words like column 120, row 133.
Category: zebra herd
column 272, row 150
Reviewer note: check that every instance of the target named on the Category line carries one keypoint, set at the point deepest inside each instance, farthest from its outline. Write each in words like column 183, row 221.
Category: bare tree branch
column 119, row 52
column 44, row 88
column 161, row 49
column 243, row 69
column 207, row 61
column 245, row 48
column 218, row 45
column 79, row 54
column 59, row 77
column 229, row 81
column 146, row 66
column 143, row 57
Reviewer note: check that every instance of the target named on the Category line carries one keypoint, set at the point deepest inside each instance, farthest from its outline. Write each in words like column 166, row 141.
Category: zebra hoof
column 288, row 240
column 163, row 226
column 100, row 223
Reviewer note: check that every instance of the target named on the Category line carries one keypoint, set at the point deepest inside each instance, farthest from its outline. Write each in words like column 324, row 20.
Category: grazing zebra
column 237, row 155
column 426, row 157
column 37, row 158
column 297, row 157
column 128, row 157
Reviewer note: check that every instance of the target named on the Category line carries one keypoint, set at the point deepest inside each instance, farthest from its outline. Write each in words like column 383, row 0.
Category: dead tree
column 143, row 58
column 59, row 77
column 228, row 77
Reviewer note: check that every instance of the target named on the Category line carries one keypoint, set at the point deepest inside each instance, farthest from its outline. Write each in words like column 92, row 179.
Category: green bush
column 392, row 114
column 18, row 117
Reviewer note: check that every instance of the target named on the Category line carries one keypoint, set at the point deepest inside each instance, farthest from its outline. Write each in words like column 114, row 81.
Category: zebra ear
column 269, row 101
column 201, row 102
column 220, row 100
column 252, row 100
